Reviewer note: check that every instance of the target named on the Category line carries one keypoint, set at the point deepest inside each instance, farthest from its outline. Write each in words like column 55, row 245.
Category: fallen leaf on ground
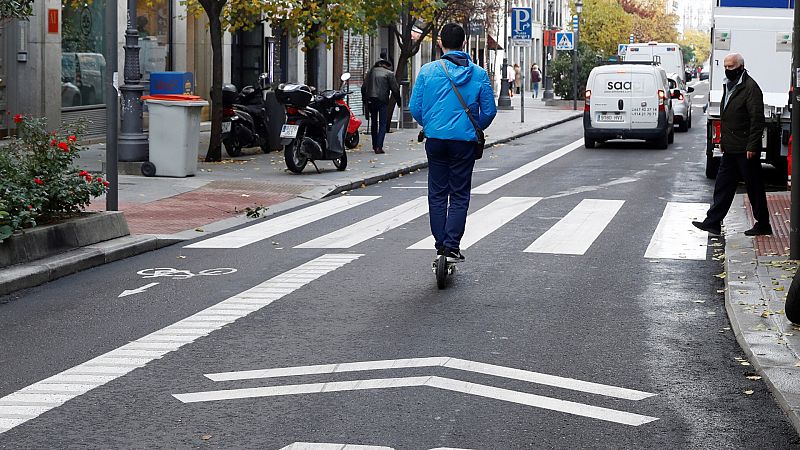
column 749, row 392
column 753, row 377
column 181, row 257
column 205, row 437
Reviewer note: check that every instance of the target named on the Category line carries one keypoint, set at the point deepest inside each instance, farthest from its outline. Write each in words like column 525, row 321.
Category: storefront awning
column 491, row 44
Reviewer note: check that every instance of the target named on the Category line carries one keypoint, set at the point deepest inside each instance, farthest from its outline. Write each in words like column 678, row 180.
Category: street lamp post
column 577, row 30
column 133, row 144
column 504, row 101
column 548, row 79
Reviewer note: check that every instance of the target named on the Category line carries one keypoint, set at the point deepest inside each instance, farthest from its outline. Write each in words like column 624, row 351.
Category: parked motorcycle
column 250, row 118
column 317, row 125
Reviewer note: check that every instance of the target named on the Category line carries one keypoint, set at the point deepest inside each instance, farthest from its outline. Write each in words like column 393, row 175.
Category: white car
column 628, row 101
column 681, row 102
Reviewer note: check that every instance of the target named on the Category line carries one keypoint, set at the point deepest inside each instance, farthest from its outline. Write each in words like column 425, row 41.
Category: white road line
column 490, row 186
column 264, row 230
column 328, row 446
column 577, row 231
column 699, row 96
column 676, row 237
column 486, row 220
column 373, row 226
column 522, row 398
column 118, row 362
column 442, row 361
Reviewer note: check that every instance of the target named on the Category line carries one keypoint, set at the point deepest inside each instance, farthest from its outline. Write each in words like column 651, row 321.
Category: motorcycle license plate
column 226, row 127
column 289, row 131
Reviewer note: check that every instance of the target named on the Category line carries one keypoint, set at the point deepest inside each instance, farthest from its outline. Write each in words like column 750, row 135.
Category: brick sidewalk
column 779, row 205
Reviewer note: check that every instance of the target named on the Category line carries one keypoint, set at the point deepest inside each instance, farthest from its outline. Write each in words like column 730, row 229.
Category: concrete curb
column 23, row 276
column 753, row 301
column 41, row 271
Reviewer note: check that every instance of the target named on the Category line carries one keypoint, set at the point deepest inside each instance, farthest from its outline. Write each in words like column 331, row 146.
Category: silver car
column 681, row 102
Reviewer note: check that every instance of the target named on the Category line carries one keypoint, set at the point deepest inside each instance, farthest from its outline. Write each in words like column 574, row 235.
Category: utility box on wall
column 162, row 83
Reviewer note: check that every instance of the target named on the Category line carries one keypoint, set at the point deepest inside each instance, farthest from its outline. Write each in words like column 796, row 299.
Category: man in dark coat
column 379, row 84
column 742, row 125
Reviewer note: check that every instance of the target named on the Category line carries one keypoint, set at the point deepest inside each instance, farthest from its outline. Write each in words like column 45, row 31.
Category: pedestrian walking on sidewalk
column 517, row 78
column 510, row 76
column 451, row 134
column 742, row 119
column 379, row 84
column 536, row 78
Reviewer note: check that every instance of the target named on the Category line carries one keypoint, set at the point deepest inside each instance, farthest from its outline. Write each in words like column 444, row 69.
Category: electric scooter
column 443, row 268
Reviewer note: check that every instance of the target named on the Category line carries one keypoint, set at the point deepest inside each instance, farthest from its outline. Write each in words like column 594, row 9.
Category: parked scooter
column 247, row 118
column 317, row 126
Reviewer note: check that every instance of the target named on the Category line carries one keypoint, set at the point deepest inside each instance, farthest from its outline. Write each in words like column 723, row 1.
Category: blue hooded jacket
column 435, row 106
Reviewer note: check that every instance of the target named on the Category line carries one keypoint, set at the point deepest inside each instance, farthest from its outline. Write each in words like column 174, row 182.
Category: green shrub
column 38, row 179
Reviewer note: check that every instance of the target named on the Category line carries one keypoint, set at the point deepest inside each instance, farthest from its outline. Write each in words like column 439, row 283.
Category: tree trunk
column 215, row 146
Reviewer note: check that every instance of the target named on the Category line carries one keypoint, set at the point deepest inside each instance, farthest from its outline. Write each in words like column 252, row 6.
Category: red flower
column 38, row 181
column 83, row 173
column 99, row 179
column 106, row 183
column 53, row 143
column 72, row 138
column 18, row 118
column 30, row 206
column 88, row 178
column 63, row 146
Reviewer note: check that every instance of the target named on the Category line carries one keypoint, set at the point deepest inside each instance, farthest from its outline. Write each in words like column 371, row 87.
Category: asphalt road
column 614, row 346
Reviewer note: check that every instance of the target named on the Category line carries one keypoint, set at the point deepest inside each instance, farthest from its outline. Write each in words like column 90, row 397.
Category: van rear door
column 644, row 100
column 610, row 100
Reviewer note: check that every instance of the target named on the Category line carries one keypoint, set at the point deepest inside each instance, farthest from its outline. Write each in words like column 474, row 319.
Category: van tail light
column 681, row 98
column 662, row 100
column 290, row 110
column 228, row 112
column 587, row 101
column 716, row 131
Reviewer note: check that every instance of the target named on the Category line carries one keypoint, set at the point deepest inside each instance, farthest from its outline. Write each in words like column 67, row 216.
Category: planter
column 49, row 240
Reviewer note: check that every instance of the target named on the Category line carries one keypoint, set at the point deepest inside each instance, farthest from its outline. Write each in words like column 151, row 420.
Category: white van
column 628, row 101
column 667, row 55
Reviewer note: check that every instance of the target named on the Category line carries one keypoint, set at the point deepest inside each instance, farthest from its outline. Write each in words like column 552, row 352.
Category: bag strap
column 460, row 98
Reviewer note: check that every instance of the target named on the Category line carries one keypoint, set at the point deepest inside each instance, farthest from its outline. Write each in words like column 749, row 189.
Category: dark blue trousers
column 732, row 168
column 378, row 112
column 450, row 165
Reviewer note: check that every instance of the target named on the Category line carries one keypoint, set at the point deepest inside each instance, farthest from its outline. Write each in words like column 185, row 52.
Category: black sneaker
column 454, row 255
column 759, row 230
column 715, row 230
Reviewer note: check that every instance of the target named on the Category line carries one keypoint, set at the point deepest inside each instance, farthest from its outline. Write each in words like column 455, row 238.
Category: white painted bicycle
column 179, row 274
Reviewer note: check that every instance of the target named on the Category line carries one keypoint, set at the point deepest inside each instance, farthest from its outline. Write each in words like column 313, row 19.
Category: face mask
column 733, row 75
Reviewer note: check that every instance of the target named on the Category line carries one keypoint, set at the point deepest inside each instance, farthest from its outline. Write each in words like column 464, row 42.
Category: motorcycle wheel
column 295, row 161
column 341, row 163
column 351, row 140
column 232, row 146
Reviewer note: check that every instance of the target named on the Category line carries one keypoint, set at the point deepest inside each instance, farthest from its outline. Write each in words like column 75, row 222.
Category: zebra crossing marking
column 492, row 185
column 675, row 236
column 577, row 231
column 371, row 227
column 272, row 227
column 486, row 220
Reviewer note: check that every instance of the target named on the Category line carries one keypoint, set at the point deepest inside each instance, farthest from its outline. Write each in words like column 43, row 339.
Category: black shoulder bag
column 478, row 132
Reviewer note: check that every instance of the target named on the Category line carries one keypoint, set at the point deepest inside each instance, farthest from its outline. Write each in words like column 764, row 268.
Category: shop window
column 82, row 62
column 154, row 26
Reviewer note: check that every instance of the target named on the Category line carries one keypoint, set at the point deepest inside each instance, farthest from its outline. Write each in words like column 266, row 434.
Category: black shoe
column 715, row 230
column 759, row 230
column 454, row 255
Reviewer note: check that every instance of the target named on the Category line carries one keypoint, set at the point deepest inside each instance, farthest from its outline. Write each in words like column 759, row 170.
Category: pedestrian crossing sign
column 565, row 40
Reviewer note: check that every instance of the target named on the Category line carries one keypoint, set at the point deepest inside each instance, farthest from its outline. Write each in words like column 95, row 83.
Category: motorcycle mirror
column 345, row 76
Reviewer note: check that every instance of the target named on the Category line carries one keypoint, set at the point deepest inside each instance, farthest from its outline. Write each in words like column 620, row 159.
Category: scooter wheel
column 233, row 149
column 295, row 161
column 441, row 272
column 341, row 163
column 148, row 169
column 351, row 140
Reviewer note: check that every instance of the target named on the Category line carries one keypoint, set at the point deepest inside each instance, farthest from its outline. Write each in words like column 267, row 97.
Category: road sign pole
column 548, row 79
column 575, row 64
column 522, row 71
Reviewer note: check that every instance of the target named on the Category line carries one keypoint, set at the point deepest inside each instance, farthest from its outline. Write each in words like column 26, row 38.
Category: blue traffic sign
column 622, row 49
column 565, row 40
column 575, row 23
column 521, row 23
column 631, row 38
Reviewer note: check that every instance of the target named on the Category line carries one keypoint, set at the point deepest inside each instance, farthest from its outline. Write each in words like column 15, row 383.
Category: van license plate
column 226, row 127
column 289, row 131
column 610, row 118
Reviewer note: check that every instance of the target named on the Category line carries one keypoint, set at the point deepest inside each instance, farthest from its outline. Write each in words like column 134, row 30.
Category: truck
column 761, row 31
column 667, row 54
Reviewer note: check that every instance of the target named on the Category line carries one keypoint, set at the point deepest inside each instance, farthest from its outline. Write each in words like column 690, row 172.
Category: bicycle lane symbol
column 175, row 274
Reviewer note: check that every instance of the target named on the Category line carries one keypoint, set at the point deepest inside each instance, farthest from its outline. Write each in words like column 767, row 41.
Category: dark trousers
column 450, row 166
column 732, row 169
column 378, row 112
